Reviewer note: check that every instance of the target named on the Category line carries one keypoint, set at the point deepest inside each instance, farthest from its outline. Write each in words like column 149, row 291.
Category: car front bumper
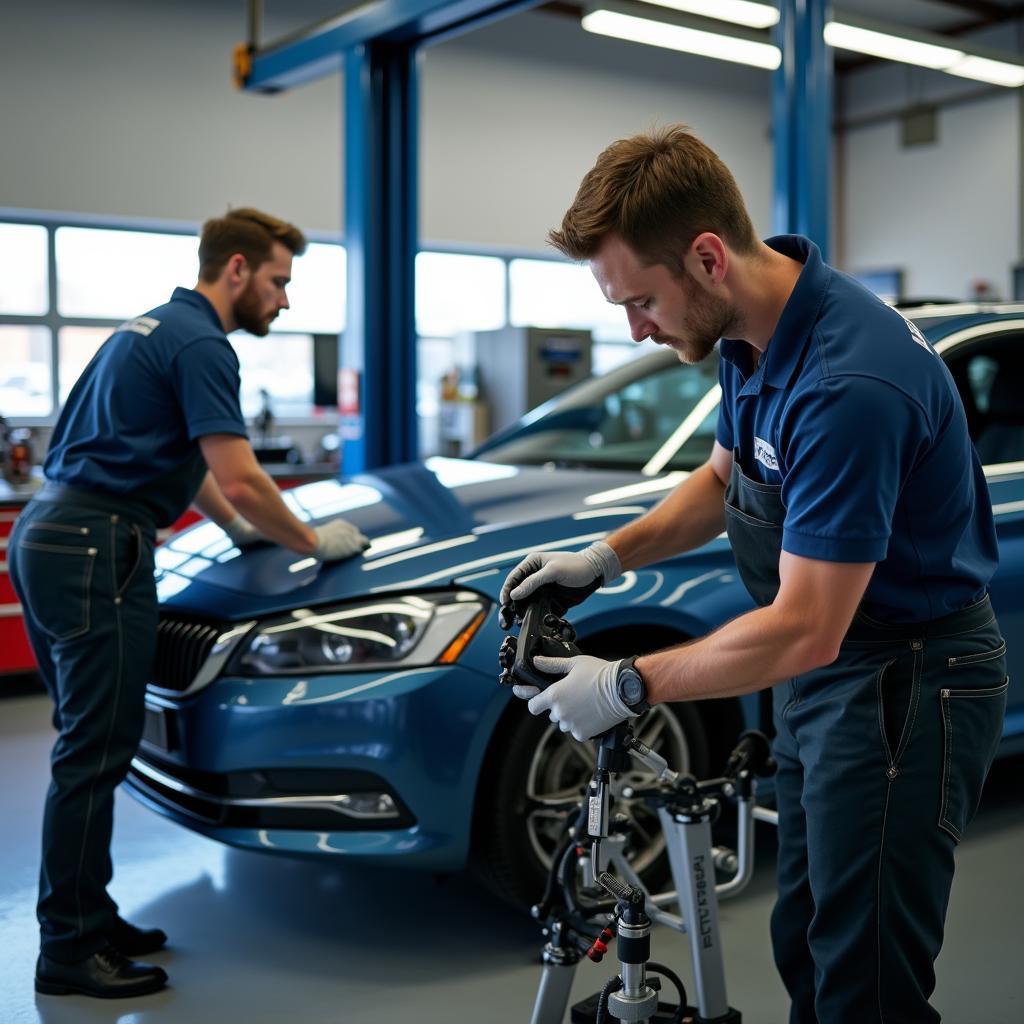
column 362, row 765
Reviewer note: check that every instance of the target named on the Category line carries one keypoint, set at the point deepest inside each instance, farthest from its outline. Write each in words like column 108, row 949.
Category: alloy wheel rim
column 561, row 767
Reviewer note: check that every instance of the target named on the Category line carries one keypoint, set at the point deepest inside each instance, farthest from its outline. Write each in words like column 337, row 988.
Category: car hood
column 430, row 524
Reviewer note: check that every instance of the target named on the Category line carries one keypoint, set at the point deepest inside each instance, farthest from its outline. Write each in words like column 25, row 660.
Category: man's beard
column 250, row 314
column 709, row 319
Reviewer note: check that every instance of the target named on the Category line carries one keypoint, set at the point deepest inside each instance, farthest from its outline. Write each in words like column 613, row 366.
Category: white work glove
column 580, row 573
column 242, row 533
column 338, row 539
column 585, row 701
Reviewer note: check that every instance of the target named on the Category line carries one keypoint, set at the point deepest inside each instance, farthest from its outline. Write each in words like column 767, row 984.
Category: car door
column 987, row 363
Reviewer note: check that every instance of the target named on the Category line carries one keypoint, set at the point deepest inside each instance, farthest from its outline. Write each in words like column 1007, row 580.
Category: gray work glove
column 242, row 533
column 585, row 701
column 578, row 573
column 338, row 539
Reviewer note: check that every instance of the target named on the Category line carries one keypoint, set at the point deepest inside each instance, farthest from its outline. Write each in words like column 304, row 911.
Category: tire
column 534, row 777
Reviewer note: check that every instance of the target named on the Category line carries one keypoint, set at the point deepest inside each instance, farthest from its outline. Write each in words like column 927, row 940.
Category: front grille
column 182, row 647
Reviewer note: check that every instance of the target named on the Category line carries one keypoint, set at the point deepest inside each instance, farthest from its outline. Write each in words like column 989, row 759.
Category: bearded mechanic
column 152, row 424
column 859, row 518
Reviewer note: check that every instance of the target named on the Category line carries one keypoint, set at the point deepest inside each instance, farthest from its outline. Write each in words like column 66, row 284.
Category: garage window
column 106, row 274
column 25, row 361
column 24, row 280
column 65, row 287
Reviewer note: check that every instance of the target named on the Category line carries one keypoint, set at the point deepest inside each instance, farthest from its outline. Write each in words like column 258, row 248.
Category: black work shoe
column 107, row 974
column 133, row 941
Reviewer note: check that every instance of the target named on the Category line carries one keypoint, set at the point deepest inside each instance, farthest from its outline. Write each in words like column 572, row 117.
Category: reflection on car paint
column 622, row 510
column 392, row 541
column 325, row 498
column 454, row 473
column 426, row 549
column 664, row 483
column 500, row 557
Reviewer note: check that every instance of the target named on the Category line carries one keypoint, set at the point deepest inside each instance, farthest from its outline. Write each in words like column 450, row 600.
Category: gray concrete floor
column 257, row 938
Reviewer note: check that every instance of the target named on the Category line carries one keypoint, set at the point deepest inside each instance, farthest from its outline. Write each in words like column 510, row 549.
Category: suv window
column 621, row 421
column 990, row 375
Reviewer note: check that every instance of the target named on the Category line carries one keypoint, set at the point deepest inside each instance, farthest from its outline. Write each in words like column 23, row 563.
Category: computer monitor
column 886, row 283
column 325, row 370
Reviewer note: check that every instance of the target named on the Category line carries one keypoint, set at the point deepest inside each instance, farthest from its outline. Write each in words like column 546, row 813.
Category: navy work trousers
column 882, row 757
column 84, row 576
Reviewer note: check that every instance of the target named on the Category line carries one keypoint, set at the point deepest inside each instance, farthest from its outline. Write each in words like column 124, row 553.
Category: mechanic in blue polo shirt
column 861, row 525
column 152, row 425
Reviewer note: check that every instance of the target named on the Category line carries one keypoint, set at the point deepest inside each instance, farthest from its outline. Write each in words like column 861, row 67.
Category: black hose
column 655, row 968
column 610, row 986
column 567, row 876
column 556, row 860
column 576, row 905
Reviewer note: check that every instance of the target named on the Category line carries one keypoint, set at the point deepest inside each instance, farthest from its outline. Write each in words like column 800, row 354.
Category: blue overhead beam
column 320, row 50
column 802, row 124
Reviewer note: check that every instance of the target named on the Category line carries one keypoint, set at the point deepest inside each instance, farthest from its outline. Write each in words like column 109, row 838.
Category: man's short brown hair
column 657, row 191
column 249, row 232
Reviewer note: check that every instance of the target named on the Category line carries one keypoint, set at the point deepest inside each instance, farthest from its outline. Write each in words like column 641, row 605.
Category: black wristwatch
column 630, row 687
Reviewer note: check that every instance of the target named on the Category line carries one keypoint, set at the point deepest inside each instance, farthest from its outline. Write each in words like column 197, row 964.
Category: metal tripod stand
column 581, row 918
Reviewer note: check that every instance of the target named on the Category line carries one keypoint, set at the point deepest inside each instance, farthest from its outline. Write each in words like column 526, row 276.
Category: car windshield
column 651, row 415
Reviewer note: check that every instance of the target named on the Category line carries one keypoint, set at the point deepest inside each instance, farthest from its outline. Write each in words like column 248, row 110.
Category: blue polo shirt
column 132, row 421
column 855, row 415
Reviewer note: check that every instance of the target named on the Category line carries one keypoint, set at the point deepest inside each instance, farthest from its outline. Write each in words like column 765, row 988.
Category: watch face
column 631, row 687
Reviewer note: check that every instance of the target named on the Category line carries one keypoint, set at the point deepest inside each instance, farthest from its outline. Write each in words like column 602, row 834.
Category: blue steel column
column 802, row 123
column 381, row 189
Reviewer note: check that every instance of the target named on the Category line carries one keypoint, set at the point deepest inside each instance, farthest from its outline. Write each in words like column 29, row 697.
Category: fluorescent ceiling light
column 926, row 49
column 891, row 47
column 688, row 26
column 995, row 72
column 678, row 37
column 739, row 12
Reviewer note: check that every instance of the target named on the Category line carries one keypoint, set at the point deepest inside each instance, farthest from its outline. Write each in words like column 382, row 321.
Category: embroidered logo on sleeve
column 915, row 333
column 144, row 325
column 765, row 454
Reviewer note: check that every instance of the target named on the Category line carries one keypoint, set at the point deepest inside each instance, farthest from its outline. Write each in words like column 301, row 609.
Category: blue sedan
column 352, row 710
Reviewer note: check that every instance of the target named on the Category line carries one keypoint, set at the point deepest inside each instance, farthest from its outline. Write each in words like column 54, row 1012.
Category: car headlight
column 387, row 632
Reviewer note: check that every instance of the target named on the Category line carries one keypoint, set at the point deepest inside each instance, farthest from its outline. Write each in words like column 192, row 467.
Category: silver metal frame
column 693, row 860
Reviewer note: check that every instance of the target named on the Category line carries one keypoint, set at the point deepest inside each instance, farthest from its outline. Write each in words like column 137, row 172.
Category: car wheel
column 534, row 780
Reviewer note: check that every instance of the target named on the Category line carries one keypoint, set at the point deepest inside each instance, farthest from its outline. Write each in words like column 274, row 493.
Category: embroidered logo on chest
column 765, row 454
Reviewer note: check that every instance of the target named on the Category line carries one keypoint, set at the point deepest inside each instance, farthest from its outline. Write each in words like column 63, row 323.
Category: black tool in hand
column 542, row 632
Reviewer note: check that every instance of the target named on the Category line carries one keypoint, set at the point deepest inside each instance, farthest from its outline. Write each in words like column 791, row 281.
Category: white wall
column 949, row 213
column 127, row 108
column 124, row 108
column 514, row 116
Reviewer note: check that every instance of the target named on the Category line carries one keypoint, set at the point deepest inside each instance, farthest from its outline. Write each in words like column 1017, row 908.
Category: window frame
column 53, row 321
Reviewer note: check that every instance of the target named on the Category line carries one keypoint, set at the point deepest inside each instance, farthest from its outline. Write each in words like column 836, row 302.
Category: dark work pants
column 882, row 756
column 84, row 576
